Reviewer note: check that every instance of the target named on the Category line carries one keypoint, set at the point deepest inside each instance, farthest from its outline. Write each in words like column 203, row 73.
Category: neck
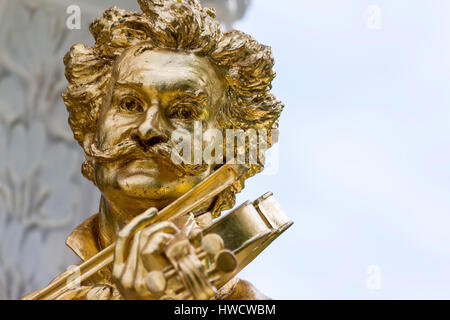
column 111, row 220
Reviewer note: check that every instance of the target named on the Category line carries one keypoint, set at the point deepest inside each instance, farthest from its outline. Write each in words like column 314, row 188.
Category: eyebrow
column 182, row 89
column 200, row 100
column 184, row 86
column 195, row 94
column 127, row 84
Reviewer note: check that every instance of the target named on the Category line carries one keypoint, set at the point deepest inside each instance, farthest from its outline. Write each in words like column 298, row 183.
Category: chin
column 142, row 186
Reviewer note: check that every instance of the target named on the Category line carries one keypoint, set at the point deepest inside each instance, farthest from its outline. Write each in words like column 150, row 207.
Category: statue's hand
column 136, row 252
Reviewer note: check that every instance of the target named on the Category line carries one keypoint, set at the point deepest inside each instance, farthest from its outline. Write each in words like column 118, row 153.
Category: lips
column 146, row 167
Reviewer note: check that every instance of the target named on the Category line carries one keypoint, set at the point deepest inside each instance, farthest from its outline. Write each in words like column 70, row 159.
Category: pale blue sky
column 364, row 158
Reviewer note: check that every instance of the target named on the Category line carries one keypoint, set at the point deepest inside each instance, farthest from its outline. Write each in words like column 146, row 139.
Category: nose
column 150, row 131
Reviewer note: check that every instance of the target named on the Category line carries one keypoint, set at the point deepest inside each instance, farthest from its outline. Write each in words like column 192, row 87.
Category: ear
column 87, row 168
column 88, row 140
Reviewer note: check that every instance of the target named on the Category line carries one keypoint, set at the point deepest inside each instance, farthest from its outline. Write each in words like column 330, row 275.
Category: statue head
column 150, row 74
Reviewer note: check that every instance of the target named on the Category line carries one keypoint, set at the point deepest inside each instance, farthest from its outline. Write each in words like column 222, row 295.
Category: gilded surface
column 149, row 75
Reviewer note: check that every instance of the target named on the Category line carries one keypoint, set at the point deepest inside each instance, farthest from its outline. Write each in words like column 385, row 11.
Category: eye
column 182, row 112
column 130, row 105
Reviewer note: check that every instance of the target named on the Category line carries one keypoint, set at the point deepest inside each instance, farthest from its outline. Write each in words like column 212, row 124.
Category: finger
column 128, row 275
column 138, row 222
column 126, row 233
column 155, row 243
column 186, row 223
column 151, row 253
column 163, row 226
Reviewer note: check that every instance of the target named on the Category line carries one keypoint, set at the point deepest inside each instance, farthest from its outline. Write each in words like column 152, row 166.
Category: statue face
column 151, row 94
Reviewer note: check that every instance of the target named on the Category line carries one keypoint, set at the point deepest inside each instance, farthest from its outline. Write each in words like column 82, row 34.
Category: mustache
column 134, row 149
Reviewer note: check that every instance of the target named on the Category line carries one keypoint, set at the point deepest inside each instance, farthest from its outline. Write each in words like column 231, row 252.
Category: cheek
column 105, row 176
column 112, row 129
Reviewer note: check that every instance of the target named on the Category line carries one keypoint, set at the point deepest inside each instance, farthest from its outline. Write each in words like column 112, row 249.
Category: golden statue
column 156, row 235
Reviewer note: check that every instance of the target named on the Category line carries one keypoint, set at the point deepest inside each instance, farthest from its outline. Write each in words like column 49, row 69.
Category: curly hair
column 177, row 25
